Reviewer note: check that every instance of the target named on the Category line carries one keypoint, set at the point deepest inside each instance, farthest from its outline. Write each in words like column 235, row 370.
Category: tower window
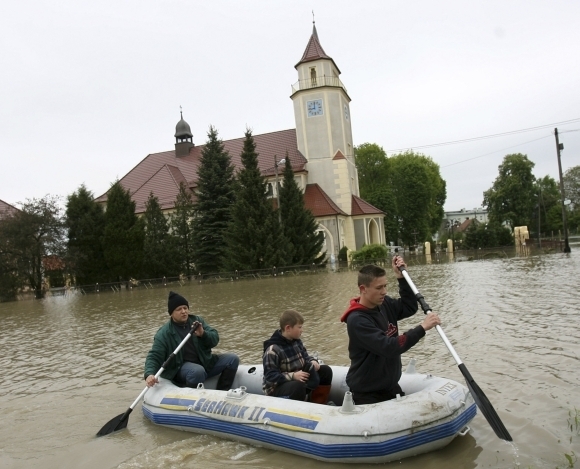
column 313, row 76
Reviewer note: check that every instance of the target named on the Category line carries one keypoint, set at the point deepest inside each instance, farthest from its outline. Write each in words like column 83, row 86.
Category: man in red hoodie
column 375, row 346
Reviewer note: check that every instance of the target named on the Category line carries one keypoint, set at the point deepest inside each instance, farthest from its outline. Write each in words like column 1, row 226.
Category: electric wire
column 484, row 137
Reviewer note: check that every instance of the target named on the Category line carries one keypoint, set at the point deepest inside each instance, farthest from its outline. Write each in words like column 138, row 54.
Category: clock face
column 346, row 112
column 314, row 108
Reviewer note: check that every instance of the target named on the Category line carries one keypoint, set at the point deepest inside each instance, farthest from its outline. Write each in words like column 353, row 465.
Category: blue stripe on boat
column 328, row 451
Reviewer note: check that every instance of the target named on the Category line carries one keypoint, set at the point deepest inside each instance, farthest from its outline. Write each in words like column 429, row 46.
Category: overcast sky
column 88, row 89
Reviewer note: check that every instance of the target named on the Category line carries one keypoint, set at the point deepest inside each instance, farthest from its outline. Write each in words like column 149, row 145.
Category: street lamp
column 276, row 163
column 559, row 147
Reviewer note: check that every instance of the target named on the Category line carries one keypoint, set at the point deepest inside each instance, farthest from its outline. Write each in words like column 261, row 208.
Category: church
column 320, row 150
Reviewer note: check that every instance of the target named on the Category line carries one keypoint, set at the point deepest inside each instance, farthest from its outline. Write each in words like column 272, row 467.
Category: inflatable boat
column 430, row 415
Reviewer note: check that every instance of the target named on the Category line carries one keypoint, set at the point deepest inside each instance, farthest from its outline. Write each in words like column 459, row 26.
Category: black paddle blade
column 115, row 424
column 485, row 406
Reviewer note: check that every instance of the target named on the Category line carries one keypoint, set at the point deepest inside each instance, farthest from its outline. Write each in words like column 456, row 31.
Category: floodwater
column 70, row 364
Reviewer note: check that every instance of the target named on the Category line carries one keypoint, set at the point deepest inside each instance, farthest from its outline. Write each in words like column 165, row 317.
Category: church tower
column 323, row 124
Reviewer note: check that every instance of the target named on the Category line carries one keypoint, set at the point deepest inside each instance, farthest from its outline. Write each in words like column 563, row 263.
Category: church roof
column 314, row 50
column 319, row 203
column 6, row 209
column 161, row 173
column 360, row 207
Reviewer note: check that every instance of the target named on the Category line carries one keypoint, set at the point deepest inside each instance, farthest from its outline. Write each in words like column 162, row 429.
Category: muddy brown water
column 69, row 364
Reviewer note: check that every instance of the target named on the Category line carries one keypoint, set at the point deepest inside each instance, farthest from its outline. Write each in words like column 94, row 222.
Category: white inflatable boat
column 432, row 413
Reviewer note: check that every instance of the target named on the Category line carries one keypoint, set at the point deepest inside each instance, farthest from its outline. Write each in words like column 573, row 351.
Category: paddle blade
column 115, row 424
column 485, row 406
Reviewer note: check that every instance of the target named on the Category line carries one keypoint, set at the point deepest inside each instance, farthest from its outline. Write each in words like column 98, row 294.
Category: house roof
column 161, row 173
column 314, row 50
column 6, row 209
column 360, row 207
column 319, row 203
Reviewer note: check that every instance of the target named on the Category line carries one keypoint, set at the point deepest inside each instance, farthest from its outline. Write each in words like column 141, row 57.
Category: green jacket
column 166, row 341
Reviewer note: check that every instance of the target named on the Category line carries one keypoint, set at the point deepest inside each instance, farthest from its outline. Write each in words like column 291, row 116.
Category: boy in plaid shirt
column 289, row 371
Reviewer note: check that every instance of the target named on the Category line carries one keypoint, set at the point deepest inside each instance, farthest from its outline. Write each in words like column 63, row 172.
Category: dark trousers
column 361, row 398
column 297, row 390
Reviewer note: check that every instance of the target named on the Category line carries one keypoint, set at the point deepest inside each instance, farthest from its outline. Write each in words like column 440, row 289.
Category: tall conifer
column 85, row 222
column 215, row 197
column 123, row 235
column 181, row 228
column 254, row 237
column 160, row 252
column 298, row 223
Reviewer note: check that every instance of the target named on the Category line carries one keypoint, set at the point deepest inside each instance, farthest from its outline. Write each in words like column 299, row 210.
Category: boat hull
column 431, row 414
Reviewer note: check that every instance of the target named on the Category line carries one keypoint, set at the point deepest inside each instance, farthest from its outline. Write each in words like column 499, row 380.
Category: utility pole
column 559, row 147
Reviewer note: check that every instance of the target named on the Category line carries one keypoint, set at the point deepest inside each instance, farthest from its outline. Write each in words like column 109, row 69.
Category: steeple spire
column 314, row 50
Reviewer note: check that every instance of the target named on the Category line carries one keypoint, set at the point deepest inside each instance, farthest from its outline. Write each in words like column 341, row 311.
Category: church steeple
column 323, row 124
column 314, row 50
column 183, row 138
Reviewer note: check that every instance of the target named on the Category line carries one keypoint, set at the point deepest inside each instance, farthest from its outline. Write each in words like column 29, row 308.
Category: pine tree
column 85, row 221
column 254, row 237
column 123, row 235
column 215, row 197
column 159, row 248
column 298, row 223
column 181, row 228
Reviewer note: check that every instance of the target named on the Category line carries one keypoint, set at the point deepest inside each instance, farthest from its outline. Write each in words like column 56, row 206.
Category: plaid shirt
column 282, row 357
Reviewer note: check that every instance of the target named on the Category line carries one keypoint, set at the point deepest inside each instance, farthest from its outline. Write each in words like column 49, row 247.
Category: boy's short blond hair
column 290, row 318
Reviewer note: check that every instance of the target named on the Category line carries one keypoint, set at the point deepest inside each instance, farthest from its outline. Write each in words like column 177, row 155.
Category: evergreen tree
column 298, row 224
column 181, row 229
column 254, row 237
column 159, row 247
column 123, row 235
column 85, row 222
column 215, row 197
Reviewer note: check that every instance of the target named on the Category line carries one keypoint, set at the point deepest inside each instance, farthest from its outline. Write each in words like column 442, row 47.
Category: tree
column 375, row 184
column 420, row 195
column 408, row 187
column 181, row 228
column 27, row 238
column 160, row 257
column 298, row 224
column 85, row 222
column 215, row 197
column 512, row 196
column 572, row 192
column 123, row 235
column 548, row 206
column 255, row 239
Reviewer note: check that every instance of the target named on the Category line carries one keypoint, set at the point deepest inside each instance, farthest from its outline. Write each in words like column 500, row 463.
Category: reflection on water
column 72, row 363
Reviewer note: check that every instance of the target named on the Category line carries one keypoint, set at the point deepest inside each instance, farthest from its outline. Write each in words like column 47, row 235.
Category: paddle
column 120, row 421
column 479, row 397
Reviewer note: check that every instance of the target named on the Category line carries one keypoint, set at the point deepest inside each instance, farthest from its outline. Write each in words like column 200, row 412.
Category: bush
column 370, row 252
column 343, row 254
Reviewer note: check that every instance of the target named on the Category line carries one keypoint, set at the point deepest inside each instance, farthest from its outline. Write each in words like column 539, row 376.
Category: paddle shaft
column 120, row 422
column 426, row 309
column 478, row 395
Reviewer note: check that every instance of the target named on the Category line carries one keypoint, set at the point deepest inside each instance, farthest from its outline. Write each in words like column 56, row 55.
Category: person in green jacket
column 195, row 362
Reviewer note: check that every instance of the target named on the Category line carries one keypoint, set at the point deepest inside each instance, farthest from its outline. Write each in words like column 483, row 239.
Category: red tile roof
column 360, row 207
column 162, row 172
column 339, row 156
column 6, row 209
column 319, row 203
column 314, row 50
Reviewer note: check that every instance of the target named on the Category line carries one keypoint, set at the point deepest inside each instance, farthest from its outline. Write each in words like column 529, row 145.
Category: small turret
column 183, row 138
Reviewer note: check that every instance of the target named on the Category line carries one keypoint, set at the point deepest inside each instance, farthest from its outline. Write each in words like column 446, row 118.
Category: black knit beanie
column 175, row 300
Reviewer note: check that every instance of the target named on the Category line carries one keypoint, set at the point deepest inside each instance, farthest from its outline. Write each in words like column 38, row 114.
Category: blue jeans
column 191, row 374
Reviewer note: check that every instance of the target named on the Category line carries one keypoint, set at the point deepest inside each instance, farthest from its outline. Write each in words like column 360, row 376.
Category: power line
column 473, row 139
column 496, row 151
